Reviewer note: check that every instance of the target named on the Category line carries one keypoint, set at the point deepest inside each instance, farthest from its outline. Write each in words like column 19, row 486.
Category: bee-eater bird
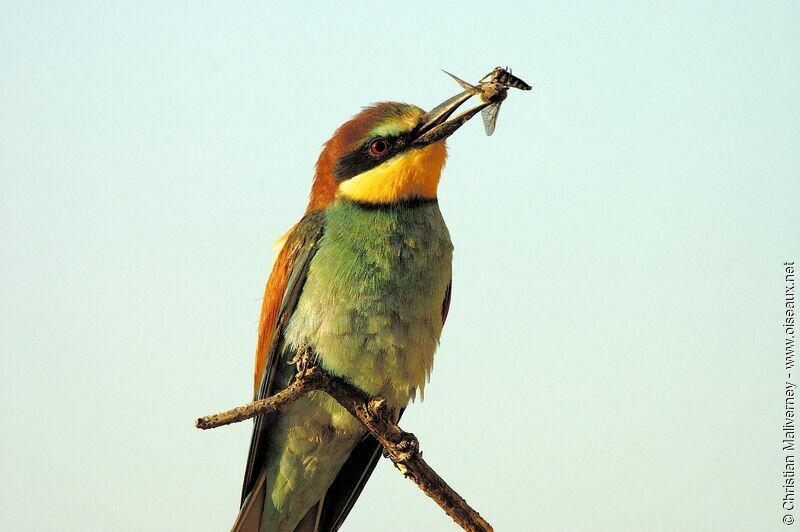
column 363, row 281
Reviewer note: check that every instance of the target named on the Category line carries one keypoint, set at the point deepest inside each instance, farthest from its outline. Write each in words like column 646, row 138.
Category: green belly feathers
column 372, row 304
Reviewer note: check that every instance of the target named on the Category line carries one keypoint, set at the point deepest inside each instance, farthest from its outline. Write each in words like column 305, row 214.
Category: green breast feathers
column 371, row 306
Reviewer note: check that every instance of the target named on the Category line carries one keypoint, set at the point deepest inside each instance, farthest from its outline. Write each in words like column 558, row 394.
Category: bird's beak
column 436, row 126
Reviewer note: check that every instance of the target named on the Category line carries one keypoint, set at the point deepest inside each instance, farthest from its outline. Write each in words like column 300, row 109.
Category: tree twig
column 302, row 385
column 401, row 447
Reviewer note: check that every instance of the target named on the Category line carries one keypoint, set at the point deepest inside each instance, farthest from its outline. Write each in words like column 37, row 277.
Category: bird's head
column 388, row 153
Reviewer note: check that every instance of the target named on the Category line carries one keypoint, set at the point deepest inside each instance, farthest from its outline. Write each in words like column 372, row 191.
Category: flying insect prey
column 363, row 282
column 492, row 89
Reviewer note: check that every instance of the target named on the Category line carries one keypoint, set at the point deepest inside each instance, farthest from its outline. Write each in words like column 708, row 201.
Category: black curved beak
column 436, row 125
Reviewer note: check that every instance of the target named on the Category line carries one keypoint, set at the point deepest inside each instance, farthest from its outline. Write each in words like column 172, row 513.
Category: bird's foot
column 303, row 361
column 407, row 448
column 403, row 454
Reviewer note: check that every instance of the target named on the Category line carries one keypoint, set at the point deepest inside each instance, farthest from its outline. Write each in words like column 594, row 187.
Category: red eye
column 378, row 147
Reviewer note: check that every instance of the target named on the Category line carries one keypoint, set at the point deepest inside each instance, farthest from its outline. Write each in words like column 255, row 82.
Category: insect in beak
column 492, row 90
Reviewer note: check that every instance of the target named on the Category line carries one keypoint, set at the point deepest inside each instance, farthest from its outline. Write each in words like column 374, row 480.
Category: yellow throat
column 413, row 174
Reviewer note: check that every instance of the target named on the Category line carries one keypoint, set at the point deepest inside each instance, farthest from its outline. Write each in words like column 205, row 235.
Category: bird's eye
column 378, row 147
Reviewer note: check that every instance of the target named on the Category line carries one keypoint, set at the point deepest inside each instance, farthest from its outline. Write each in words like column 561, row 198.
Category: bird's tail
column 249, row 518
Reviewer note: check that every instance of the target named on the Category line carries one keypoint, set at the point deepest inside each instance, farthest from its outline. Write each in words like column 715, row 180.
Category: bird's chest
column 371, row 306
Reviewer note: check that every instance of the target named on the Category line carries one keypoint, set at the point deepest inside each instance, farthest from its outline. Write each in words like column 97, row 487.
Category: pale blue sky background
column 612, row 360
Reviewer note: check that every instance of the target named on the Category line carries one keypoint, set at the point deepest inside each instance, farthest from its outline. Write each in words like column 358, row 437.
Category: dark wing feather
column 446, row 302
column 293, row 260
column 349, row 483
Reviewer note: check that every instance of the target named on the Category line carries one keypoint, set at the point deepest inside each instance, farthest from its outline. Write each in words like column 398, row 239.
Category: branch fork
column 401, row 447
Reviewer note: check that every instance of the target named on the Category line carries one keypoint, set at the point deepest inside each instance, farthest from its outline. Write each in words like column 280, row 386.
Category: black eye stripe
column 362, row 158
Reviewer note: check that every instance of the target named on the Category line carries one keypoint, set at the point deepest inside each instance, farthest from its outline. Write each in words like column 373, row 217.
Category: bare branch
column 401, row 447
column 304, row 383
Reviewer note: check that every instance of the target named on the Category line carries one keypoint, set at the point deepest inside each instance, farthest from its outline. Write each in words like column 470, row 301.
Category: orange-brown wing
column 283, row 287
column 273, row 294
column 280, row 298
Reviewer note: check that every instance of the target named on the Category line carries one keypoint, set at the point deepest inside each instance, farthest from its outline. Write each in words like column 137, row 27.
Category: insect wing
column 489, row 115
column 464, row 85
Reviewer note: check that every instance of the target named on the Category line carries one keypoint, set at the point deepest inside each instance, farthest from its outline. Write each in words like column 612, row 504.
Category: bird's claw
column 303, row 361
column 407, row 448
column 404, row 450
